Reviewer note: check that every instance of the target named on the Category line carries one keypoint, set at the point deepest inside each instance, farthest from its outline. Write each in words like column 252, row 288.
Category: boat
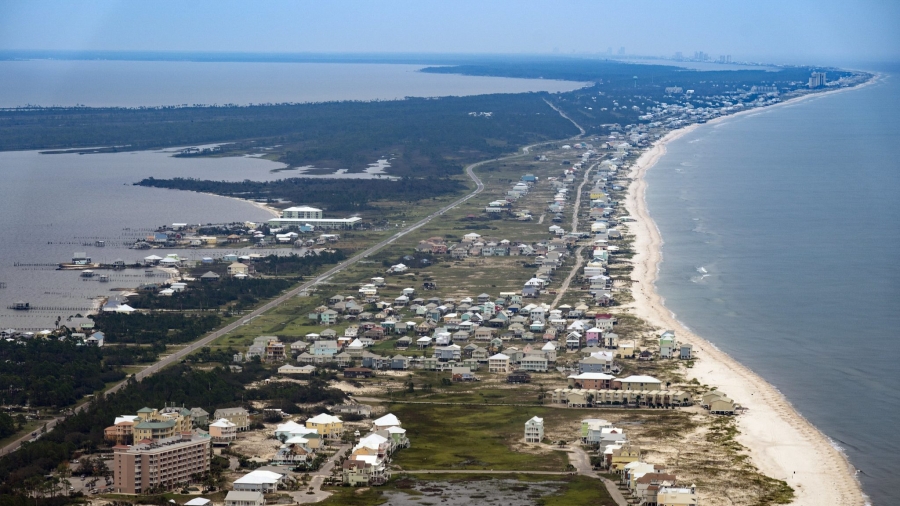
column 87, row 273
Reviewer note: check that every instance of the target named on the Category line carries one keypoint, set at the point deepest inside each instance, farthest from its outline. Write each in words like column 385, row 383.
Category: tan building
column 121, row 430
column 237, row 416
column 222, row 431
column 165, row 464
column 499, row 363
column 154, row 425
column 639, row 383
column 238, row 268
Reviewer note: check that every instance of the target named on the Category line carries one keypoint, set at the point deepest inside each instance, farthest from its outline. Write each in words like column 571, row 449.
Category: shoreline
column 780, row 441
column 259, row 205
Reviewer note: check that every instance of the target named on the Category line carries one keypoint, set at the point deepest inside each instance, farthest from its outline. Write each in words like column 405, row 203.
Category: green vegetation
column 333, row 194
column 177, row 385
column 8, row 425
column 566, row 490
column 420, row 137
column 149, row 328
column 469, row 437
column 51, row 373
column 580, row 491
column 296, row 265
column 239, row 294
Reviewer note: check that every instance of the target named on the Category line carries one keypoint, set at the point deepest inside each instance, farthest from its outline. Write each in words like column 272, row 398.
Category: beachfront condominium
column 164, row 464
column 817, row 80
column 305, row 215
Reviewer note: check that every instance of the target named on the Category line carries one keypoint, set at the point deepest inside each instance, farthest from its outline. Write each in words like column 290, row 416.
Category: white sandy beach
column 782, row 444
column 265, row 207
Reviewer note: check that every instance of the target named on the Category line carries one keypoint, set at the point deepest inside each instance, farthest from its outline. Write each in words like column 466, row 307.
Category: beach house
column 534, row 430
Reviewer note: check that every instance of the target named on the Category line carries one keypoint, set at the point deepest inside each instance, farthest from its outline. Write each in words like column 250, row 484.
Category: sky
column 778, row 31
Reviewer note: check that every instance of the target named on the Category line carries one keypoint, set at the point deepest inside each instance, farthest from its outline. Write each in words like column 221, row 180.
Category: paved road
column 303, row 497
column 579, row 260
column 582, row 463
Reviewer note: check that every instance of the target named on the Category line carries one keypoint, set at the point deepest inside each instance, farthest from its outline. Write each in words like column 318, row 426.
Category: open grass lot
column 578, row 491
column 470, row 437
column 463, row 489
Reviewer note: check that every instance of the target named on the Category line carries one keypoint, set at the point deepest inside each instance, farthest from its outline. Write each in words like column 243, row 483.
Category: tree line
column 44, row 372
column 333, row 194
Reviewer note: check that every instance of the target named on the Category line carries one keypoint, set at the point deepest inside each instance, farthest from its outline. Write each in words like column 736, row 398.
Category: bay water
column 115, row 83
column 781, row 233
column 54, row 205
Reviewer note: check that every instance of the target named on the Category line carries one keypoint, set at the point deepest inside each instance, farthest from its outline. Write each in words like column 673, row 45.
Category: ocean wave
column 700, row 278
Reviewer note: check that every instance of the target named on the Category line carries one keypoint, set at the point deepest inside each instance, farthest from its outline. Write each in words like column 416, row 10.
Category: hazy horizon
column 820, row 33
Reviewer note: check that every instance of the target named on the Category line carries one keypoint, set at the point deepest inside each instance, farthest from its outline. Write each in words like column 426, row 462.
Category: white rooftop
column 592, row 376
column 640, row 379
column 324, row 418
column 388, row 419
column 259, row 477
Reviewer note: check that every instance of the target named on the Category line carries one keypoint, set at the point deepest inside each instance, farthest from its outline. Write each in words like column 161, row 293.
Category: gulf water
column 781, row 234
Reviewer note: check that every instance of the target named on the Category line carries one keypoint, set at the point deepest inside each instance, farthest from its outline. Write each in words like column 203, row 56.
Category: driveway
column 318, row 477
column 582, row 462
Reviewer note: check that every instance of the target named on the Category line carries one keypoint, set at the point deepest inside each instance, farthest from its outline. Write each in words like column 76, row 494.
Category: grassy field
column 467, row 488
column 476, row 437
column 578, row 491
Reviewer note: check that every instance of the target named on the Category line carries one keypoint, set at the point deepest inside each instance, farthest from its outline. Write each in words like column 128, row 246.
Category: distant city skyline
column 818, row 32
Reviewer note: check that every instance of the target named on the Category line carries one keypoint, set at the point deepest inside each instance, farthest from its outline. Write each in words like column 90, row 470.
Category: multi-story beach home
column 534, row 430
column 222, row 431
column 327, row 426
column 238, row 416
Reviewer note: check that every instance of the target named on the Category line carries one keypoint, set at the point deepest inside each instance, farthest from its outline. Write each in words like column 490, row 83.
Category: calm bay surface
column 109, row 83
column 54, row 205
column 782, row 233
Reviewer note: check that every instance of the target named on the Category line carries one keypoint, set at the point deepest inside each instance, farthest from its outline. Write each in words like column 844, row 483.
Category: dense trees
column 239, row 293
column 420, row 137
column 296, row 265
column 332, row 194
column 51, row 373
column 149, row 328
column 8, row 425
